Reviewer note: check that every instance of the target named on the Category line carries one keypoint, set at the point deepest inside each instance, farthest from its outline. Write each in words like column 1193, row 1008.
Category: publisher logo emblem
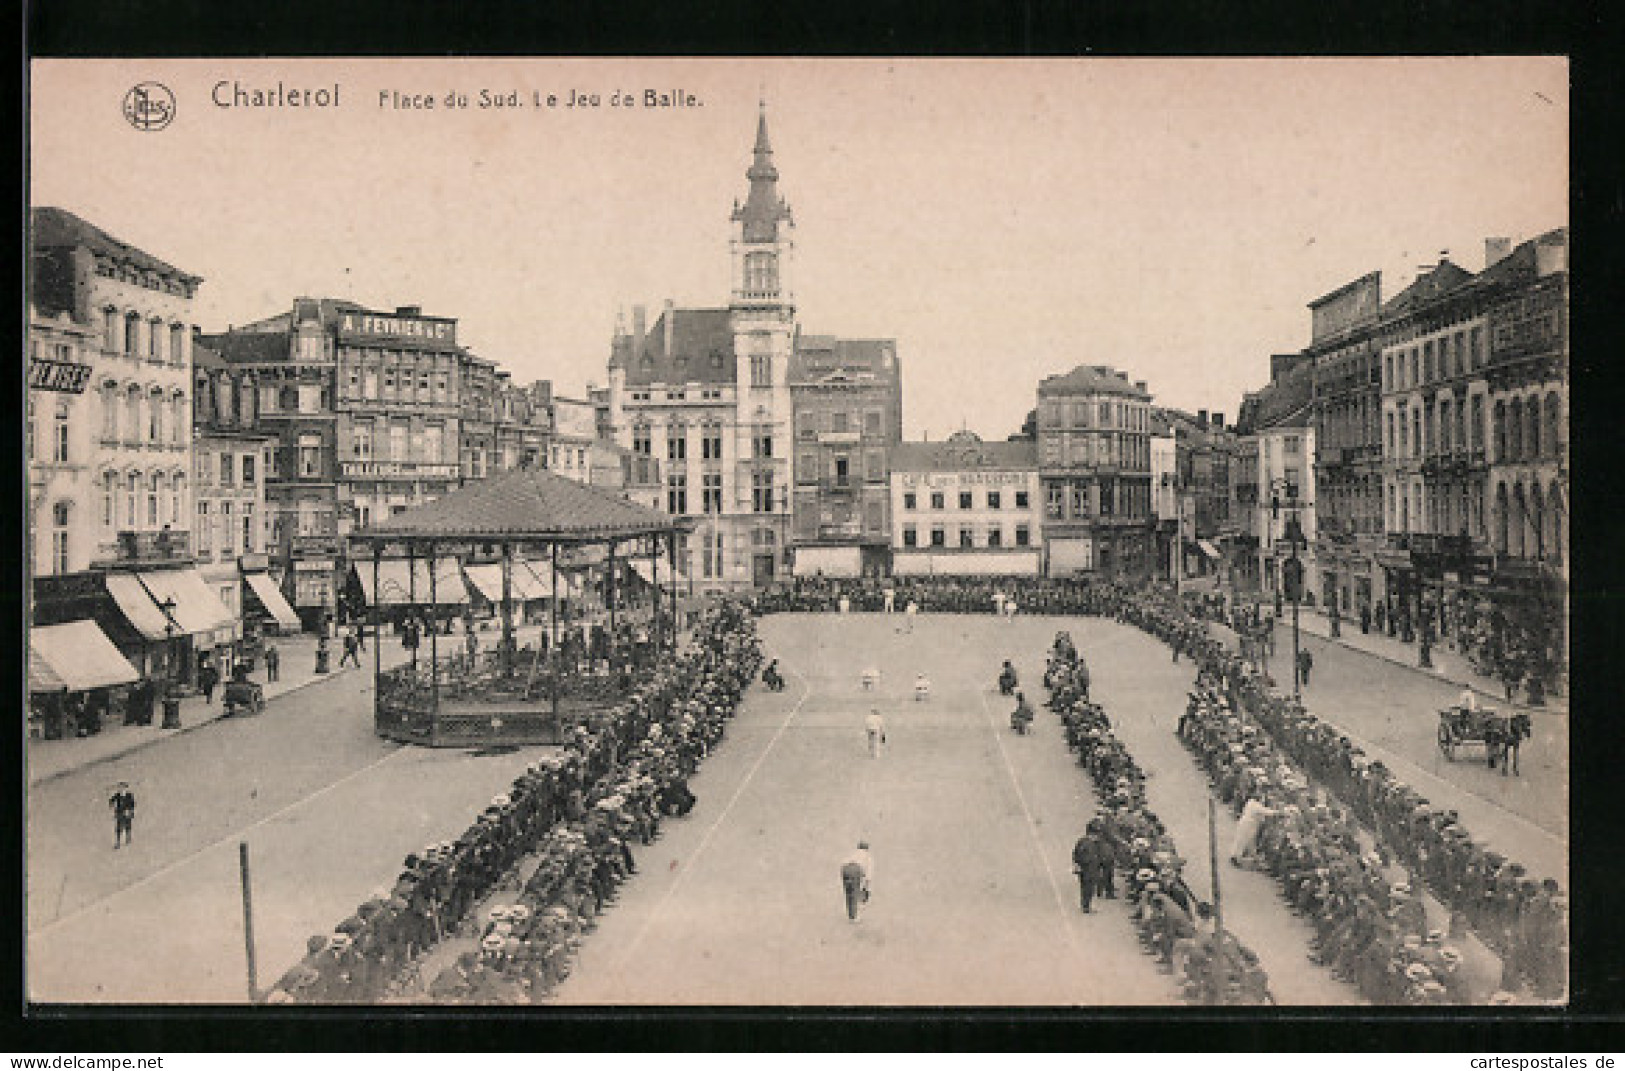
column 149, row 106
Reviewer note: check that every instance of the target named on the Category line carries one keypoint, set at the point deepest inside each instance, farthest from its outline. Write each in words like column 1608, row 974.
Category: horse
column 1502, row 739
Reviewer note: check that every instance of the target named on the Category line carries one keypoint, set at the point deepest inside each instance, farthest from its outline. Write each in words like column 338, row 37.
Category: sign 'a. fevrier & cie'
column 387, row 325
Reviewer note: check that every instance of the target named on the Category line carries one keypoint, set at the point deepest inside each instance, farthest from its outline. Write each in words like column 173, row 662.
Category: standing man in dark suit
column 1086, row 865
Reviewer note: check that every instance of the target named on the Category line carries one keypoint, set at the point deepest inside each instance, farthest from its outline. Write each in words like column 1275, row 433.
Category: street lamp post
column 172, row 703
column 1292, row 577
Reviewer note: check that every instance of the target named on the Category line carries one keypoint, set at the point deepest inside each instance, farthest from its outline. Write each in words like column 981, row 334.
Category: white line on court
column 699, row 849
column 1032, row 825
column 183, row 861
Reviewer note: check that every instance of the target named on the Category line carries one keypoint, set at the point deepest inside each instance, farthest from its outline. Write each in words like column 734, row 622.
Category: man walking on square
column 273, row 662
column 875, row 727
column 856, row 873
column 123, row 804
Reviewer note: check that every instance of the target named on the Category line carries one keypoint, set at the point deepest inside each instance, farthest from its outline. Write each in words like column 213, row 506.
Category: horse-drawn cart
column 244, row 696
column 1498, row 734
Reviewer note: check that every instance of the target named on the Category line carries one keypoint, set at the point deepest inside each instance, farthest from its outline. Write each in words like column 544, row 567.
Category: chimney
column 638, row 329
column 1496, row 250
column 1218, row 420
column 1139, row 385
column 1201, row 418
column 409, row 310
column 669, row 315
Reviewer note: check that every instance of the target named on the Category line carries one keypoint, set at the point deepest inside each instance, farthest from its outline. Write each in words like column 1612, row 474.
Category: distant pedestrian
column 207, row 678
column 360, row 638
column 909, row 614
column 122, row 802
column 845, row 604
column 891, row 600
column 273, row 662
column 856, row 874
column 870, row 678
column 1306, row 662
column 875, row 726
column 349, row 654
column 922, row 688
column 1086, row 865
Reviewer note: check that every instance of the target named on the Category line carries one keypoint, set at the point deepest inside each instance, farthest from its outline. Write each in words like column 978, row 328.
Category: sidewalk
column 1448, row 664
column 50, row 759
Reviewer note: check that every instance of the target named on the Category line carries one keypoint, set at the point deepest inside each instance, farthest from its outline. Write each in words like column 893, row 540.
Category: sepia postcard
column 1068, row 533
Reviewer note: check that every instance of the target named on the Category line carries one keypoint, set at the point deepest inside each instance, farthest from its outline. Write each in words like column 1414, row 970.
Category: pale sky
column 1003, row 220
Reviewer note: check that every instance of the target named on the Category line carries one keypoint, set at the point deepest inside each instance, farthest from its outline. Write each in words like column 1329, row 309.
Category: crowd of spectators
column 1126, row 836
column 570, row 819
column 1524, row 921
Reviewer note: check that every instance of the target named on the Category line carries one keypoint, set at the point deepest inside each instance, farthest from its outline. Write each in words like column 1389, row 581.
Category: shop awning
column 272, row 599
column 404, row 582
column 1209, row 549
column 525, row 581
column 195, row 608
column 77, row 656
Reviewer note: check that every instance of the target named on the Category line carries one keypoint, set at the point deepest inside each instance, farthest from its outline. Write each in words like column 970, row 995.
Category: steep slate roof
column 57, row 228
column 696, row 334
column 204, row 357
column 241, row 347
column 522, row 504
column 1092, row 379
column 854, row 356
column 962, row 456
column 1284, row 403
column 1446, row 276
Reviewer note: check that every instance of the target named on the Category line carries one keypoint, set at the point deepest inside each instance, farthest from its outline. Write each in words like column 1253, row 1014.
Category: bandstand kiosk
column 521, row 523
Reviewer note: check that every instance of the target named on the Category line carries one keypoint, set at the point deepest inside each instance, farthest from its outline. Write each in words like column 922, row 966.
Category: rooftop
column 522, row 504
column 1093, row 379
column 57, row 228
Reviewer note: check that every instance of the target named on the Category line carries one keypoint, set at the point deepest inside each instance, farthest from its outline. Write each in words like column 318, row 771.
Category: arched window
column 1446, row 427
column 154, row 485
column 155, row 418
column 110, row 404
column 177, row 489
column 132, row 491
column 179, row 426
column 1554, row 424
column 1515, row 431
column 1502, row 520
column 246, row 399
column 61, row 430
column 1537, row 521
column 1500, row 421
column 109, row 499
column 1519, row 525
column 1554, row 509
column 1532, row 415
column 61, row 516
column 155, row 339
column 132, row 414
column 132, row 334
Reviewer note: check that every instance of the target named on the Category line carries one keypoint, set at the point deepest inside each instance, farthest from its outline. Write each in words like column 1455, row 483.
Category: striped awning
column 404, row 582
column 76, row 656
column 525, row 581
column 192, row 607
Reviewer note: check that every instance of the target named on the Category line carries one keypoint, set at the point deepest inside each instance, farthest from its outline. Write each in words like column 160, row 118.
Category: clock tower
column 762, row 317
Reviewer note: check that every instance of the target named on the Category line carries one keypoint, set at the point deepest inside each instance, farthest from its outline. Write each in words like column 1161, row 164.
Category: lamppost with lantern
column 1292, row 572
column 171, row 701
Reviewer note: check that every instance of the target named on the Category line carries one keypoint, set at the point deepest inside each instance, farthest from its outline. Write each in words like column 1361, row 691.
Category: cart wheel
column 1447, row 743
